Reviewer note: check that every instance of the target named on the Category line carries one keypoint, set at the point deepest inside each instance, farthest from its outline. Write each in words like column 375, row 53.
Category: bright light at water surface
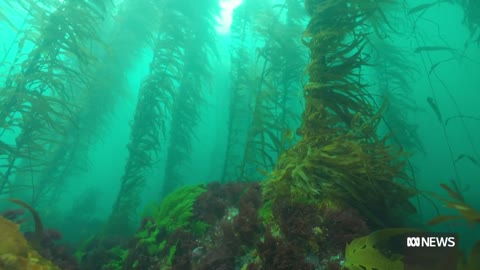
column 225, row 19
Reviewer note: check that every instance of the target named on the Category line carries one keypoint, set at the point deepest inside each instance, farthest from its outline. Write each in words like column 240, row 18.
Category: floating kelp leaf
column 466, row 212
column 441, row 219
column 455, row 192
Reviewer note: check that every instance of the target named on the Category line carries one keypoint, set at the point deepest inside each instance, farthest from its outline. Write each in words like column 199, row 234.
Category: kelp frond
column 37, row 99
column 279, row 64
column 456, row 202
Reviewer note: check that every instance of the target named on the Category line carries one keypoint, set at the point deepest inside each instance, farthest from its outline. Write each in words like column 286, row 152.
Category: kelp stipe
column 149, row 124
column 169, row 84
column 264, row 86
column 200, row 52
column 340, row 156
column 243, row 80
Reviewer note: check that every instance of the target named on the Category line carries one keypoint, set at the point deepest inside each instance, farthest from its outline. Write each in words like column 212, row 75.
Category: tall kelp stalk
column 271, row 118
column 154, row 103
column 38, row 97
column 242, row 81
column 279, row 65
column 288, row 67
column 199, row 51
column 175, row 70
column 70, row 154
column 340, row 158
column 392, row 71
column 130, row 32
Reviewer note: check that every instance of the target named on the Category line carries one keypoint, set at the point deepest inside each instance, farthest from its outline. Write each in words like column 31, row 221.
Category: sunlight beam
column 225, row 19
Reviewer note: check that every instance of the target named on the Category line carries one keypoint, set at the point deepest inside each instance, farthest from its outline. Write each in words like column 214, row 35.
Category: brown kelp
column 392, row 70
column 171, row 81
column 340, row 156
column 456, row 202
column 199, row 52
column 243, row 80
column 149, row 122
column 124, row 37
column 39, row 94
column 272, row 106
column 280, row 60
column 16, row 252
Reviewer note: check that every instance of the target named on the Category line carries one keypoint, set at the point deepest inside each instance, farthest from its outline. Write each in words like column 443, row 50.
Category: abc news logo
column 431, row 250
column 431, row 241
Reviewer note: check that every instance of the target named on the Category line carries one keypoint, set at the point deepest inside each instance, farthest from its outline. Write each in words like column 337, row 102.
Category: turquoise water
column 114, row 105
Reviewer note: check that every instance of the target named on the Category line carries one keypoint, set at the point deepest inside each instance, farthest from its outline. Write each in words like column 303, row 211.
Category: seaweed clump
column 43, row 241
column 16, row 252
column 228, row 226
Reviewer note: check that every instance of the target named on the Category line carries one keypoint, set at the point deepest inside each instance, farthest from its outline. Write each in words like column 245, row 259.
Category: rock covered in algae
column 15, row 252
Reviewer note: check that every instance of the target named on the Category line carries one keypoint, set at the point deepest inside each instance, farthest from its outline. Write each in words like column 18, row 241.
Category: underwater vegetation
column 393, row 72
column 40, row 90
column 15, row 251
column 340, row 157
column 316, row 172
column 263, row 112
column 225, row 226
column 229, row 226
column 36, row 250
column 179, row 72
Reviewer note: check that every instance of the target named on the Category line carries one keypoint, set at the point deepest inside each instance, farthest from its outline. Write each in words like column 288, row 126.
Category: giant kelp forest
column 340, row 127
